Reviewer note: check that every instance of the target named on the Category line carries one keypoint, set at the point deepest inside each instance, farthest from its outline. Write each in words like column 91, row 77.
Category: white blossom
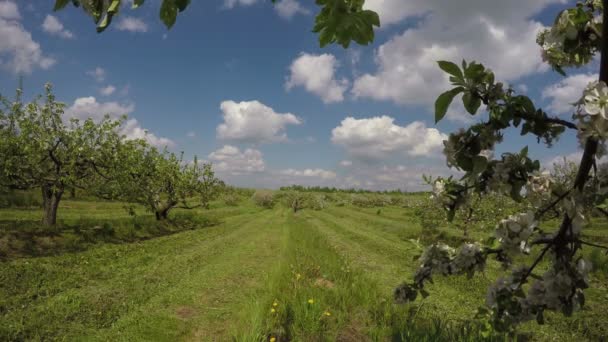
column 595, row 99
column 513, row 232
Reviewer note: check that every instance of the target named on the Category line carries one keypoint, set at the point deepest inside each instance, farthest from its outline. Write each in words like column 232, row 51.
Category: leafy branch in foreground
column 338, row 21
column 522, row 295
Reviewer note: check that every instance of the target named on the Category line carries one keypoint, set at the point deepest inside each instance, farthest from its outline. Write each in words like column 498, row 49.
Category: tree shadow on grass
column 26, row 238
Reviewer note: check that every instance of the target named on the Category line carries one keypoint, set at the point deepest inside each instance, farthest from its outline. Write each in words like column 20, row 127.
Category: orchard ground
column 247, row 273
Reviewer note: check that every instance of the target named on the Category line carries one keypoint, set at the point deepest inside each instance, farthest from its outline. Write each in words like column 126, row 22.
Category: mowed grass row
column 260, row 274
column 187, row 285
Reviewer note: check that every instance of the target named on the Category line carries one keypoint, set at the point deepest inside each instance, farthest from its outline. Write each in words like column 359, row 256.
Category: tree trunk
column 162, row 213
column 50, row 203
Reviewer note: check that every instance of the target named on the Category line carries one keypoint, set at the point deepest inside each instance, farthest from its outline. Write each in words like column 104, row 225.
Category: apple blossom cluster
column 560, row 289
column 574, row 38
column 539, row 188
column 513, row 232
column 593, row 115
column 574, row 209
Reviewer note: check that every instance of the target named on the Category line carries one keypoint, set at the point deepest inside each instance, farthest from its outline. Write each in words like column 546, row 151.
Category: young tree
column 161, row 181
column 39, row 149
column 577, row 35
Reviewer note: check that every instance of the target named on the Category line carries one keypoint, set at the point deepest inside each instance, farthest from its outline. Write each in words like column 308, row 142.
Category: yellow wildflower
column 273, row 339
column 311, row 301
column 327, row 313
column 273, row 310
column 298, row 276
column 275, row 304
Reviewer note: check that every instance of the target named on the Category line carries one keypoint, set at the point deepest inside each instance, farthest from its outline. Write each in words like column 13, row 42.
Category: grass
column 252, row 275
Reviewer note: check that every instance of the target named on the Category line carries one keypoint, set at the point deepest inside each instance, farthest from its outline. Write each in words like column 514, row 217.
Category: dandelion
column 275, row 304
column 273, row 339
column 298, row 276
column 327, row 313
column 311, row 301
column 273, row 310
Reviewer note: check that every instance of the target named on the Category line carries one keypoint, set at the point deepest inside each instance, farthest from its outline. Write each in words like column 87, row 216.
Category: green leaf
column 443, row 102
column 60, row 4
column 182, row 4
column 451, row 69
column 479, row 164
column 471, row 102
column 168, row 13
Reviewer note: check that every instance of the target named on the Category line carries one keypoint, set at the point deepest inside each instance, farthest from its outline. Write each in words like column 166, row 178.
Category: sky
column 244, row 84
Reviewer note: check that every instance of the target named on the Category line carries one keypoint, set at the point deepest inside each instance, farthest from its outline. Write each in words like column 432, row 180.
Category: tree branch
column 592, row 244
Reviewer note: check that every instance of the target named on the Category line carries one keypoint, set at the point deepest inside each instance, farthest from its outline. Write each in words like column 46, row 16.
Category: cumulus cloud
column 309, row 173
column 107, row 91
column 53, row 26
column 88, row 107
column 498, row 34
column 234, row 3
column 346, row 163
column 316, row 73
column 231, row 160
column 379, row 137
column 395, row 11
column 390, row 177
column 9, row 10
column 19, row 53
column 566, row 92
column 287, row 9
column 132, row 24
column 98, row 74
column 253, row 122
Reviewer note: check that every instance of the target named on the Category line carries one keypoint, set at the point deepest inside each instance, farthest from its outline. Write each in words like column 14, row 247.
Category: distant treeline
column 349, row 191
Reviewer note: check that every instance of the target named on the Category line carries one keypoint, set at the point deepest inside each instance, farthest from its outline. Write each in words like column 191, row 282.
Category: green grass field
column 251, row 274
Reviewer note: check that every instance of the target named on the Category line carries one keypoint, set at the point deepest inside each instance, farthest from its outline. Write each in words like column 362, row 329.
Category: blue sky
column 244, row 84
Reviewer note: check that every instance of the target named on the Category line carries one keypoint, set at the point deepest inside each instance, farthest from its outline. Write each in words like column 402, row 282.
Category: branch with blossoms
column 577, row 35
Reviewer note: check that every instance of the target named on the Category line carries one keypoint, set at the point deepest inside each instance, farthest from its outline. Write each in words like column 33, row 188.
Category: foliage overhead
column 338, row 21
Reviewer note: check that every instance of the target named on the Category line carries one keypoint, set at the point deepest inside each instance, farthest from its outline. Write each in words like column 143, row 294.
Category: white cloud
column 379, row 137
column 9, row 10
column 191, row 134
column 98, row 74
column 566, row 92
column 234, row 3
column 309, row 173
column 107, row 91
column 53, row 26
column 395, row 11
column 133, row 130
column 316, row 73
column 522, row 88
column 253, row 122
column 498, row 34
column 389, row 177
column 132, row 24
column 346, row 163
column 88, row 107
column 19, row 53
column 550, row 163
column 287, row 9
column 232, row 161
